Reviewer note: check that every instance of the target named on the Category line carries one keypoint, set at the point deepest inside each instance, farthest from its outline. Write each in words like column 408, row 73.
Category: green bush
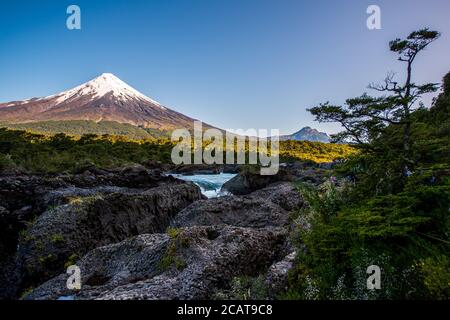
column 396, row 232
column 245, row 288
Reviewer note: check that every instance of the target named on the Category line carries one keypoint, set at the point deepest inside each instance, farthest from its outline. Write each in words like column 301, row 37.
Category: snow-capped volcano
column 105, row 98
column 102, row 85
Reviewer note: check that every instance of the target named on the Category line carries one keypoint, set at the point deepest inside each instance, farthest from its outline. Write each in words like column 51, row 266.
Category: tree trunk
column 407, row 129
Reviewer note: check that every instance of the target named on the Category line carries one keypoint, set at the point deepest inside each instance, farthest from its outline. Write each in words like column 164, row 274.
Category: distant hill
column 307, row 134
column 80, row 127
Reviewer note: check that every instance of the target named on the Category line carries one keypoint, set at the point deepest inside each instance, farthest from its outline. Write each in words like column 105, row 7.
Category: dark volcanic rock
column 8, row 229
column 237, row 185
column 17, row 191
column 86, row 223
column 248, row 181
column 277, row 275
column 64, row 215
column 9, row 277
column 231, row 168
column 202, row 260
column 191, row 169
column 126, row 262
column 269, row 207
column 113, row 225
column 24, row 197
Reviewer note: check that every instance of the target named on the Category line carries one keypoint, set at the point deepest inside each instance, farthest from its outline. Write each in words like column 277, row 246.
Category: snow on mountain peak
column 102, row 85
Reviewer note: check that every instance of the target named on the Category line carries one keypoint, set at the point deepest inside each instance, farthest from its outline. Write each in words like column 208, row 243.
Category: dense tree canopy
column 364, row 118
column 391, row 205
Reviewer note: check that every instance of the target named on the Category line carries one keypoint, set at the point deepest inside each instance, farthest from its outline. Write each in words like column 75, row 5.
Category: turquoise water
column 63, row 298
column 210, row 184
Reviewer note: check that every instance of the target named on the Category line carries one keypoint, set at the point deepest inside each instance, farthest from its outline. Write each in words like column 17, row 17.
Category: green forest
column 44, row 153
column 389, row 205
column 77, row 128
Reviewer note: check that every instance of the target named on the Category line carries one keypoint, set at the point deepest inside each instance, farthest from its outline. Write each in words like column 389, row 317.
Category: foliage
column 60, row 152
column 81, row 127
column 383, row 211
column 172, row 256
column 364, row 118
column 57, row 239
column 245, row 288
column 317, row 152
column 71, row 260
column 436, row 276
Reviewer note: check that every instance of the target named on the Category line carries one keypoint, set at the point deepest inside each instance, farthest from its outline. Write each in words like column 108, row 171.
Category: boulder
column 269, row 207
column 231, row 168
column 109, row 266
column 277, row 275
column 194, row 263
column 249, row 180
column 24, row 197
column 237, row 186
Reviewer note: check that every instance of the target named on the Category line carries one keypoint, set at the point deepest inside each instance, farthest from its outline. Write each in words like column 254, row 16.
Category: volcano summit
column 105, row 98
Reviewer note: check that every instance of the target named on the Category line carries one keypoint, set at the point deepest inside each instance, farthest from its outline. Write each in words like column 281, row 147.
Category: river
column 210, row 184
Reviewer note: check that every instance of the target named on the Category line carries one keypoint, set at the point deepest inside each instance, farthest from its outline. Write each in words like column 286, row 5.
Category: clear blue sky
column 232, row 63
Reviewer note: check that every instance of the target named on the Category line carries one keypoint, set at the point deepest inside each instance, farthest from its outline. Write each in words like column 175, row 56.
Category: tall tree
column 365, row 117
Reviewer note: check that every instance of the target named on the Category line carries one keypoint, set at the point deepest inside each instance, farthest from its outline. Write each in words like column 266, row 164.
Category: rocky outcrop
column 48, row 220
column 277, row 275
column 8, row 229
column 117, row 264
column 86, row 223
column 136, row 234
column 269, row 207
column 249, row 179
column 24, row 197
column 193, row 264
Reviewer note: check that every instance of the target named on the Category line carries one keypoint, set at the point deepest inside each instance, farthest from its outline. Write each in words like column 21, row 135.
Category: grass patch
column 172, row 258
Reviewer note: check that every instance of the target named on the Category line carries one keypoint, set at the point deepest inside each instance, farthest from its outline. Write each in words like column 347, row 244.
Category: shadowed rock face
column 248, row 181
column 64, row 216
column 75, row 228
column 204, row 258
column 114, row 224
column 25, row 197
column 269, row 207
column 211, row 242
column 109, row 266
